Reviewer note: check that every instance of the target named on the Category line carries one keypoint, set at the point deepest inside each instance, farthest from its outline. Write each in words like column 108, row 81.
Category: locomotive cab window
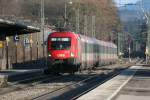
column 60, row 43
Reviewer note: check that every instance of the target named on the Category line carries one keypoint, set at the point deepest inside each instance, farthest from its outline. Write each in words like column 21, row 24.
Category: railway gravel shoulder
column 46, row 87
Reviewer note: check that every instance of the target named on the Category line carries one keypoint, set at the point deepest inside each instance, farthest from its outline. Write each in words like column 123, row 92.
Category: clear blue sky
column 122, row 2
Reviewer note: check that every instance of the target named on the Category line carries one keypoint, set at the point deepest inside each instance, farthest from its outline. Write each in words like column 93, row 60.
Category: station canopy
column 10, row 28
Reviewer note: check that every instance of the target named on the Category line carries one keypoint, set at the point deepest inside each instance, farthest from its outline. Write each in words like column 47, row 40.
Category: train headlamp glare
column 72, row 55
column 49, row 55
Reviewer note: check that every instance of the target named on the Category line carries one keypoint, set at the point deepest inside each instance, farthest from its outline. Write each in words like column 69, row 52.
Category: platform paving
column 138, row 88
column 111, row 88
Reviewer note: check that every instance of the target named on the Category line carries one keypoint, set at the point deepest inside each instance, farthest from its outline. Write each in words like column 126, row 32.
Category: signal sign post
column 31, row 42
column 16, row 40
column 129, row 53
column 7, row 59
column 146, row 53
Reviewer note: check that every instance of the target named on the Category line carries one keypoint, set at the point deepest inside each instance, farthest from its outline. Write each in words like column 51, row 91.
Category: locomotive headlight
column 72, row 54
column 49, row 55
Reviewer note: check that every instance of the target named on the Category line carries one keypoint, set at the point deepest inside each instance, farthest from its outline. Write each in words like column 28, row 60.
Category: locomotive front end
column 62, row 49
column 59, row 48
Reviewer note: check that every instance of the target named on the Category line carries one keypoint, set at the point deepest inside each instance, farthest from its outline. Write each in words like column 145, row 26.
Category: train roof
column 109, row 44
column 94, row 40
column 84, row 38
column 70, row 34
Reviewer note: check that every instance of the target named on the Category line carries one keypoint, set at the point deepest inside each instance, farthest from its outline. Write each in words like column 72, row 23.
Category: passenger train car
column 69, row 52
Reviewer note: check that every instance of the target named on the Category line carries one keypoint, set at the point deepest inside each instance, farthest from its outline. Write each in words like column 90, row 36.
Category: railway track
column 26, row 83
column 75, row 90
column 57, row 86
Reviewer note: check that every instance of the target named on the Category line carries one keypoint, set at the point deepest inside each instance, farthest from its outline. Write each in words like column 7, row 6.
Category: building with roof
column 11, row 33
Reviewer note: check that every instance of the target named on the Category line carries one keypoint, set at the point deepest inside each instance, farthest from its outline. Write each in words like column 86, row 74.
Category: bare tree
column 105, row 15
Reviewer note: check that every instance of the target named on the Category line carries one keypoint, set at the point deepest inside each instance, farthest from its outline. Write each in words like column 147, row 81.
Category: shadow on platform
column 34, row 64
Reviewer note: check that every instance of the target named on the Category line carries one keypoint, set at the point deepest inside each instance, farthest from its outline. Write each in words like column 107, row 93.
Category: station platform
column 15, row 75
column 131, row 84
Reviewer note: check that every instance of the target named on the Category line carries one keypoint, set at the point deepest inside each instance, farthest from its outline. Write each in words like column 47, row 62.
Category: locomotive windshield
column 60, row 43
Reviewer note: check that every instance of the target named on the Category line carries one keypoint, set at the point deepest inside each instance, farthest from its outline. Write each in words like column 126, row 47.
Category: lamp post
column 78, row 18
column 148, row 35
column 42, row 23
column 65, row 15
column 129, row 52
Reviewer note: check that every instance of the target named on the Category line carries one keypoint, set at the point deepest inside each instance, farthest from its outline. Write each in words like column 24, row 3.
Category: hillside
column 104, row 21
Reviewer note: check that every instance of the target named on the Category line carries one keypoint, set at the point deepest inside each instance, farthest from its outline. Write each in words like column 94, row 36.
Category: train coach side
column 89, row 48
column 108, row 53
column 96, row 53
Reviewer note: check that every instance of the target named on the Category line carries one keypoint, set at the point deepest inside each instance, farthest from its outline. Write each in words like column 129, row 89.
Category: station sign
column 16, row 38
column 26, row 41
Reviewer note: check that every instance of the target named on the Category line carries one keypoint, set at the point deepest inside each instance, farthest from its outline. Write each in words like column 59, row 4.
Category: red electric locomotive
column 69, row 52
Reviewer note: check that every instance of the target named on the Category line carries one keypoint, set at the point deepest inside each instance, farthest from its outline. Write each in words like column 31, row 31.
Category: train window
column 60, row 43
column 60, row 39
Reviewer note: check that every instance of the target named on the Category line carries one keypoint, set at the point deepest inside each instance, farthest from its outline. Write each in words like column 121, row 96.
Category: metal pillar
column 65, row 13
column 78, row 19
column 42, row 24
column 148, row 43
column 85, row 24
column 7, row 65
column 93, row 25
column 129, row 52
